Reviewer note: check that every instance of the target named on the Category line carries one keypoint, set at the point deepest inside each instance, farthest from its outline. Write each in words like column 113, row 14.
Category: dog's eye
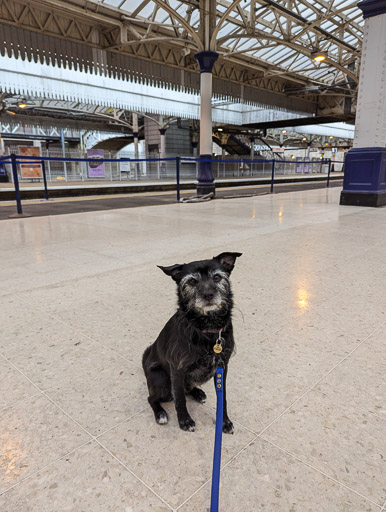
column 217, row 278
column 192, row 281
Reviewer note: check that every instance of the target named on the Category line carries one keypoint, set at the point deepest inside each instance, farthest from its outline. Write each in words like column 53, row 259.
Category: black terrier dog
column 196, row 340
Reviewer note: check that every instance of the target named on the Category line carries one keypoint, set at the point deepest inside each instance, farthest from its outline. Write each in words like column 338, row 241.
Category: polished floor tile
column 172, row 462
column 256, row 395
column 350, row 382
column 88, row 479
column 276, row 482
column 345, row 443
column 34, row 433
column 104, row 398
column 13, row 385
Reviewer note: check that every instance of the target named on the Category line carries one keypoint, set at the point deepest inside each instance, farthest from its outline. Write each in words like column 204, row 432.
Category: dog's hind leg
column 159, row 386
column 161, row 416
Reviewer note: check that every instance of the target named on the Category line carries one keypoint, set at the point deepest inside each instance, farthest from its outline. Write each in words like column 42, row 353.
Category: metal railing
column 173, row 168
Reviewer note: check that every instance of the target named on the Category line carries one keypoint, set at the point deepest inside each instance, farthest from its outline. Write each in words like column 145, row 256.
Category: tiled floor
column 80, row 299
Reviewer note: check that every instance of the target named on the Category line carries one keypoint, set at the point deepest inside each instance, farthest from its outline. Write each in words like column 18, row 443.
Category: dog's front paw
column 198, row 395
column 161, row 418
column 187, row 424
column 227, row 426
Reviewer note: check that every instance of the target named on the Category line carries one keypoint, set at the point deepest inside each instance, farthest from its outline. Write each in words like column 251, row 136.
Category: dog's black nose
column 208, row 295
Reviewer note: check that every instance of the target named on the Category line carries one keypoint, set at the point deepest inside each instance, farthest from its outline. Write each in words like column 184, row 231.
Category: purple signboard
column 96, row 169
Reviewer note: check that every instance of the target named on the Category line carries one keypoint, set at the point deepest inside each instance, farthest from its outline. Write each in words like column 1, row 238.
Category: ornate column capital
column 206, row 60
column 372, row 8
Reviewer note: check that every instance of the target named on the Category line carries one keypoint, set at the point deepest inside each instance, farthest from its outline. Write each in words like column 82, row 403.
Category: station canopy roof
column 284, row 34
column 267, row 48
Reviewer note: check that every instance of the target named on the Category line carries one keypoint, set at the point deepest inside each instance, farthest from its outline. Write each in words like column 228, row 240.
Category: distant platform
column 92, row 188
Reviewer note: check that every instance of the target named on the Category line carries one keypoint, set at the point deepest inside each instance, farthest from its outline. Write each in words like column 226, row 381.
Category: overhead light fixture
column 304, row 139
column 319, row 56
column 331, row 137
column 22, row 104
column 220, row 129
column 284, row 131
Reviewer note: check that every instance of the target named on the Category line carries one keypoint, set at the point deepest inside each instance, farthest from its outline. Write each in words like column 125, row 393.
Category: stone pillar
column 206, row 60
column 162, row 132
column 252, row 141
column 365, row 165
column 194, row 146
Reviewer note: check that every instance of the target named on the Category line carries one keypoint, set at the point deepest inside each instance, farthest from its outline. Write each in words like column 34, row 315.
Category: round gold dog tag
column 217, row 348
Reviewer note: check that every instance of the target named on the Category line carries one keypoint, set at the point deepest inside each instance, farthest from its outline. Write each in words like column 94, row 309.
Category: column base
column 205, row 188
column 365, row 178
column 358, row 199
column 19, row 215
column 205, row 179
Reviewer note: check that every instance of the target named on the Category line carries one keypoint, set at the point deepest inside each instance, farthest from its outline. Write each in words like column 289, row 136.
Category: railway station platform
column 81, row 297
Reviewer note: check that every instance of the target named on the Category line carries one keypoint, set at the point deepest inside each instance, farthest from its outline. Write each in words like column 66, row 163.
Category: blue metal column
column 136, row 154
column 365, row 165
column 205, row 184
column 16, row 183
column 136, row 140
column 194, row 146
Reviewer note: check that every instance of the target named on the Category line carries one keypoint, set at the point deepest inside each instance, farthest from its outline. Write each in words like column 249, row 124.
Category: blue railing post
column 45, row 180
column 178, row 159
column 16, row 183
column 329, row 171
column 273, row 175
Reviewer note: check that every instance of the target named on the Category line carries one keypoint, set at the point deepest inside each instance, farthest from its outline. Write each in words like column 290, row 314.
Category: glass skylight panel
column 246, row 45
column 328, row 25
column 260, row 26
column 226, row 29
column 300, row 63
column 344, row 3
column 296, row 29
column 174, row 4
column 181, row 9
column 276, row 54
column 195, row 17
column 146, row 12
column 351, row 11
column 270, row 16
column 112, row 3
column 305, row 12
column 129, row 5
column 162, row 16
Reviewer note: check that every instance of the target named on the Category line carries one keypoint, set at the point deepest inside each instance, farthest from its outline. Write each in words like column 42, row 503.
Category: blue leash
column 217, row 442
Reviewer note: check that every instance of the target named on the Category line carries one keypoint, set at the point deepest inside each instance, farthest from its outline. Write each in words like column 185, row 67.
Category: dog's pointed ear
column 227, row 260
column 174, row 271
